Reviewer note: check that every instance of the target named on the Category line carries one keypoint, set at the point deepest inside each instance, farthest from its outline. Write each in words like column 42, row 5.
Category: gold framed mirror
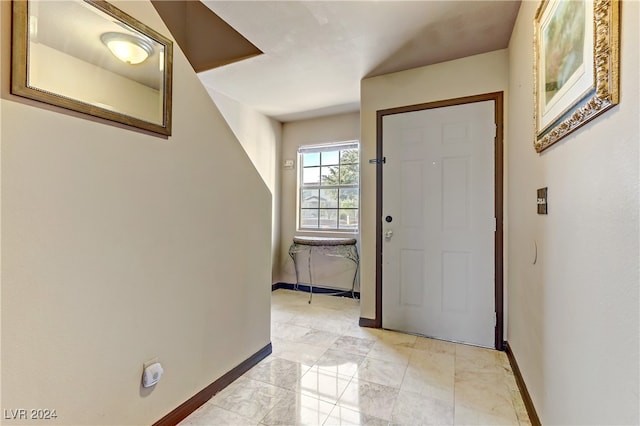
column 89, row 56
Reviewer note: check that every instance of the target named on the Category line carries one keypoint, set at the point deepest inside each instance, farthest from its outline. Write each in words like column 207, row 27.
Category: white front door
column 438, row 223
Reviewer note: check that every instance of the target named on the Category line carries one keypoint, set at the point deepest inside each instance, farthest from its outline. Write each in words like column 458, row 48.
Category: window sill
column 327, row 233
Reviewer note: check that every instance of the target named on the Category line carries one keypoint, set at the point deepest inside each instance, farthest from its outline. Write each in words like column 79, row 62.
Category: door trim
column 498, row 98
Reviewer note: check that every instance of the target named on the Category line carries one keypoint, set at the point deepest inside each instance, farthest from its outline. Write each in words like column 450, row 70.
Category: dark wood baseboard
column 367, row 322
column 526, row 398
column 193, row 403
column 317, row 290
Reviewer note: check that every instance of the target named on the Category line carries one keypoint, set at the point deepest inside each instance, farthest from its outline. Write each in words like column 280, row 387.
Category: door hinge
column 382, row 160
column 495, row 224
column 495, row 319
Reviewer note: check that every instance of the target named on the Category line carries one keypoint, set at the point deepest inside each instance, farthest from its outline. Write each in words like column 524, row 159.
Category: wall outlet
column 151, row 375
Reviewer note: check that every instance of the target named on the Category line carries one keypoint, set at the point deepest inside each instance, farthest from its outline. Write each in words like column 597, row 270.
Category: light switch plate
column 542, row 201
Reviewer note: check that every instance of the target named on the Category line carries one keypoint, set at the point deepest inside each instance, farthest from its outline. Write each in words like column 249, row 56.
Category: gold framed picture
column 576, row 48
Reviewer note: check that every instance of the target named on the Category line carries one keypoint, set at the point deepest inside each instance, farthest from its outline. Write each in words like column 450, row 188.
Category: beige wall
column 573, row 316
column 118, row 247
column 3, row 74
column 464, row 77
column 336, row 128
column 261, row 138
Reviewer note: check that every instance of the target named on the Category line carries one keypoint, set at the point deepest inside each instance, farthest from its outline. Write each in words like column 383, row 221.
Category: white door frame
column 497, row 97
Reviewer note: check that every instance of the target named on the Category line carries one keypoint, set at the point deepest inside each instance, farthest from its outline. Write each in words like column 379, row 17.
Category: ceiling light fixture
column 129, row 49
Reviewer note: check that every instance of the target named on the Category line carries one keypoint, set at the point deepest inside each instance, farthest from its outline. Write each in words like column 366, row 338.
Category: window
column 329, row 192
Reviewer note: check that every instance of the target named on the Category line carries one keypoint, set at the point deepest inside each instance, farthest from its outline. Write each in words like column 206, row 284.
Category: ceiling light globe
column 127, row 51
column 126, row 48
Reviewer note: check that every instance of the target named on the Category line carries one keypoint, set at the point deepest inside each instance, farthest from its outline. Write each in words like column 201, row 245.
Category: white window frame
column 330, row 147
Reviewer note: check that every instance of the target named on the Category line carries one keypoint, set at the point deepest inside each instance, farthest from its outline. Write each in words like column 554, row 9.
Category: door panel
column 438, row 252
column 455, row 201
column 455, row 281
column 411, row 272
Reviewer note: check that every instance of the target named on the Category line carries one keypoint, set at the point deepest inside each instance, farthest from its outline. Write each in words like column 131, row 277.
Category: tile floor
column 326, row 370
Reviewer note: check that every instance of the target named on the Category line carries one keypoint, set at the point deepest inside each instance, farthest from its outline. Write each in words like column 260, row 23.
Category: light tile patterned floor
column 326, row 370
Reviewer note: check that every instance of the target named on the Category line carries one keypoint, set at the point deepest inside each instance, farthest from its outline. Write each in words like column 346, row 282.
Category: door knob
column 388, row 234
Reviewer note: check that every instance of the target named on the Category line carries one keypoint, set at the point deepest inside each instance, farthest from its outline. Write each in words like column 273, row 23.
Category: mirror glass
column 93, row 58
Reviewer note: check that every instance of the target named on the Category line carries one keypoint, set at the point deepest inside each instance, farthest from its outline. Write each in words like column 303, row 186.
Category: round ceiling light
column 129, row 49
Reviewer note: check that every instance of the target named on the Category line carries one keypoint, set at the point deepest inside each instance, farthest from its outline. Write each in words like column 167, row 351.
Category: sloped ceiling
column 206, row 40
column 316, row 52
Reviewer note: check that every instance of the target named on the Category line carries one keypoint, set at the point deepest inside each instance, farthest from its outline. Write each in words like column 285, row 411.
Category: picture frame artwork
column 90, row 57
column 576, row 52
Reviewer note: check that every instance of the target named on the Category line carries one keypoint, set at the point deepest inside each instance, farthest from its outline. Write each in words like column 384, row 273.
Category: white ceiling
column 316, row 52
